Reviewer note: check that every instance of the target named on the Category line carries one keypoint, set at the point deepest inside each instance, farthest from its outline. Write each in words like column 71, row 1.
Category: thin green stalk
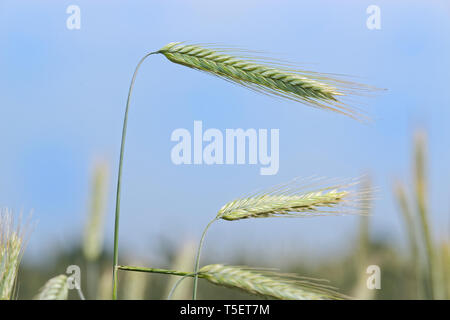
column 122, row 149
column 172, row 291
column 153, row 270
column 197, row 260
column 183, row 275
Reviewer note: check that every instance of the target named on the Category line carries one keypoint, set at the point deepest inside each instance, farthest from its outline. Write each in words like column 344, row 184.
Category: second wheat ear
column 310, row 88
column 297, row 198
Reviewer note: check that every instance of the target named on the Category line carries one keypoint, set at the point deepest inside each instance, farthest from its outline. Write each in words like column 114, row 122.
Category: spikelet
column 54, row 289
column 268, row 283
column 311, row 88
column 290, row 200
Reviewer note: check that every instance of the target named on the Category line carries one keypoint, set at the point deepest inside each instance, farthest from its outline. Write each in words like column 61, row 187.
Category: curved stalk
column 197, row 259
column 122, row 149
column 172, row 291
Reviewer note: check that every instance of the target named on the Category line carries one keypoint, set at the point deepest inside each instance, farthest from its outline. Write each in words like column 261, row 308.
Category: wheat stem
column 197, row 260
column 408, row 219
column 153, row 270
column 119, row 179
column 175, row 286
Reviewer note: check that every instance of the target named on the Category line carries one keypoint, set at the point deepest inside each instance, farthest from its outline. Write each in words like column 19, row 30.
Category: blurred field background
column 63, row 93
column 418, row 270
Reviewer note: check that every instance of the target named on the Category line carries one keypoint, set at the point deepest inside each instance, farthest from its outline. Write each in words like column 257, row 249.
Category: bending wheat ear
column 268, row 284
column 311, row 88
column 307, row 87
column 293, row 199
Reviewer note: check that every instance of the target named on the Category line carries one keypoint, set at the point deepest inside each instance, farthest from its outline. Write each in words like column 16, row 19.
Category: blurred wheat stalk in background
column 135, row 287
column 432, row 271
column 363, row 248
column 104, row 285
column 184, row 259
column 95, row 225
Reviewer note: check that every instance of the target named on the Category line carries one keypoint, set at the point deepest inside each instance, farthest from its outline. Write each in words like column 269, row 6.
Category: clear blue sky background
column 63, row 94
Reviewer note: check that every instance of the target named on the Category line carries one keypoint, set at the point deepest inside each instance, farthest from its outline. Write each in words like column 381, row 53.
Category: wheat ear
column 291, row 200
column 11, row 249
column 268, row 283
column 420, row 181
column 311, row 88
column 54, row 289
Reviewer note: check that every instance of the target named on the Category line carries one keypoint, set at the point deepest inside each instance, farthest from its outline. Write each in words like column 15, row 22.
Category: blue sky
column 63, row 94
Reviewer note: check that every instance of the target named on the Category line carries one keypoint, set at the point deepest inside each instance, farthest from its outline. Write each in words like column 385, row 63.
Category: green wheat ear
column 311, row 88
column 296, row 199
column 11, row 250
column 268, row 283
column 54, row 289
